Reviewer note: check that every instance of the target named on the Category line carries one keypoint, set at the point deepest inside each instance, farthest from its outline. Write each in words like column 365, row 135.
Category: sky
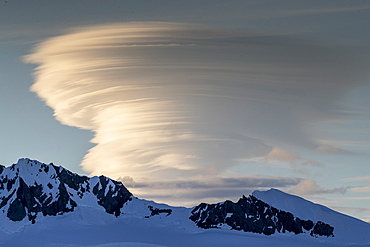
column 193, row 101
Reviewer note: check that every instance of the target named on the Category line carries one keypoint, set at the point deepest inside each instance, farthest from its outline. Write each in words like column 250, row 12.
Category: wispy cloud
column 353, row 179
column 354, row 210
column 329, row 149
column 277, row 13
column 282, row 155
column 169, row 101
column 310, row 187
column 312, row 163
column 361, row 189
column 212, row 189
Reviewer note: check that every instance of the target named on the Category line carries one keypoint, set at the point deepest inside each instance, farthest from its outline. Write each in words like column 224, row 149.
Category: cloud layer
column 169, row 102
column 189, row 192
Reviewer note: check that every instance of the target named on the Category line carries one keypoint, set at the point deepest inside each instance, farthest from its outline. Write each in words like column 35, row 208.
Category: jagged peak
column 253, row 215
column 27, row 164
column 30, row 188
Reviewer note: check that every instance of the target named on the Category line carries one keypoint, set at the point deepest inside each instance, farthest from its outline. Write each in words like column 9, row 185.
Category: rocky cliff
column 252, row 215
column 30, row 188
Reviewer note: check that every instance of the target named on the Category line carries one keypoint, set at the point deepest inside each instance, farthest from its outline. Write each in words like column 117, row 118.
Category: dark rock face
column 322, row 229
column 116, row 196
column 58, row 192
column 157, row 211
column 32, row 199
column 72, row 180
column 16, row 211
column 252, row 215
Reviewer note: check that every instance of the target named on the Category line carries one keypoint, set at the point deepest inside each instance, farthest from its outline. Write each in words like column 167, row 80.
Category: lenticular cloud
column 169, row 101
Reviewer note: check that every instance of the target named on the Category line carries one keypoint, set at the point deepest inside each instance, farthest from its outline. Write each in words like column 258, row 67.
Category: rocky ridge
column 31, row 188
column 253, row 215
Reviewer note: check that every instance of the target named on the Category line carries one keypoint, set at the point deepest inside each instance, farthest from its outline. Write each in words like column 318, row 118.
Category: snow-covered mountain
column 253, row 215
column 47, row 205
column 346, row 227
column 29, row 189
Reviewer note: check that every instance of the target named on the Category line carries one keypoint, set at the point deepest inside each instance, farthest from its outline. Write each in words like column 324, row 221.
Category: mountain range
column 48, row 205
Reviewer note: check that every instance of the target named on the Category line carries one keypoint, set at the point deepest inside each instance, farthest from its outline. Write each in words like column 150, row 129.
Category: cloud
column 312, row 163
column 360, row 189
column 216, row 183
column 313, row 11
column 212, row 189
column 329, row 149
column 170, row 101
column 310, row 187
column 282, row 155
column 354, row 210
column 353, row 179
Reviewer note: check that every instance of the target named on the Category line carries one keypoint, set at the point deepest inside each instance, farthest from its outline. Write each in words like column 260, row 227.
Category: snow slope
column 347, row 230
column 145, row 223
column 89, row 227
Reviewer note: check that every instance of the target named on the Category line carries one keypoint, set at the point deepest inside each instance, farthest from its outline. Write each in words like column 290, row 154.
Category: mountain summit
column 30, row 188
column 47, row 205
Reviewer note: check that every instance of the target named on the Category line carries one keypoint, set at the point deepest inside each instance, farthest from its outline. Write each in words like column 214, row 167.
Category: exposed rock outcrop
column 157, row 211
column 111, row 195
column 252, row 215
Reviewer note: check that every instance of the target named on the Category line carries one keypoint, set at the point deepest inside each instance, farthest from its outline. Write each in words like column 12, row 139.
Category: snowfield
column 87, row 226
column 146, row 223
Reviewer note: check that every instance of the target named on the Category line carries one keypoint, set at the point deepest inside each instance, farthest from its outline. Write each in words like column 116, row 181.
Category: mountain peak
column 31, row 192
column 28, row 165
column 25, row 162
column 30, row 188
column 297, row 205
column 271, row 192
column 22, row 163
column 305, row 209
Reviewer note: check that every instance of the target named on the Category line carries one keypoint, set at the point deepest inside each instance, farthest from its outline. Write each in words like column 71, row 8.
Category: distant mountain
column 252, row 215
column 47, row 205
column 346, row 228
